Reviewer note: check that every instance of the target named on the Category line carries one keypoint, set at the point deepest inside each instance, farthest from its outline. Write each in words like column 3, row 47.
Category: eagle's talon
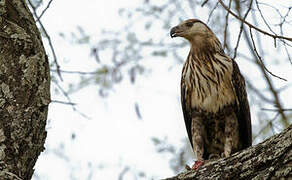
column 214, row 156
column 197, row 164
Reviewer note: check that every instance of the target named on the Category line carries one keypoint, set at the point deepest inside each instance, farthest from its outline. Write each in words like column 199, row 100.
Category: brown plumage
column 213, row 95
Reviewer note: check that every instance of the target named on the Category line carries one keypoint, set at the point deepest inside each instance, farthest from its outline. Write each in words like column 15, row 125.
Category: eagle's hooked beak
column 174, row 32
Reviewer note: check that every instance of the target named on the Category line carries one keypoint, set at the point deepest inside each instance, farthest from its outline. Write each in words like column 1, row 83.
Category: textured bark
column 24, row 91
column 271, row 159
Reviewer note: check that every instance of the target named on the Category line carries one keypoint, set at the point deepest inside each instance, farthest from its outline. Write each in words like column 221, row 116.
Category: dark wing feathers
column 186, row 112
column 243, row 112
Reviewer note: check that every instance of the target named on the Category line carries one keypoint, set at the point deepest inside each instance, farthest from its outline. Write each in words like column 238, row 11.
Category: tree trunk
column 24, row 91
column 271, row 159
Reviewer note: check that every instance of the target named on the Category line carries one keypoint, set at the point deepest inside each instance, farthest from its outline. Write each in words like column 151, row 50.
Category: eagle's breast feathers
column 210, row 82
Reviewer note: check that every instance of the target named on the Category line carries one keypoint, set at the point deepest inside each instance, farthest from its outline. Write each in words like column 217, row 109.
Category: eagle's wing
column 185, row 107
column 243, row 112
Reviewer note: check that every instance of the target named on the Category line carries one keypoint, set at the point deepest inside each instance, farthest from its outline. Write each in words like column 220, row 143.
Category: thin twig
column 263, row 18
column 266, row 109
column 252, row 26
column 226, row 27
column 43, row 12
column 287, row 52
column 280, row 26
column 260, row 58
column 63, row 102
column 256, row 91
column 268, row 5
column 211, row 12
column 284, row 43
column 124, row 171
column 268, row 124
column 69, row 100
column 205, row 2
column 272, row 127
column 240, row 32
column 74, row 72
column 137, row 110
column 284, row 87
column 49, row 39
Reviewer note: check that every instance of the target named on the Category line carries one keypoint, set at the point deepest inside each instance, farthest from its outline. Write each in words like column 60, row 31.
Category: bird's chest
column 209, row 88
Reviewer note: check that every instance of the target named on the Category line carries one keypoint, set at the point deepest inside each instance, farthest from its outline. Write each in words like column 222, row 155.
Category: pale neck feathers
column 205, row 44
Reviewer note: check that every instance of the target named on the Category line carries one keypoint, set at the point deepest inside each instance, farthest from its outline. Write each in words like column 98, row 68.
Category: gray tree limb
column 24, row 91
column 271, row 159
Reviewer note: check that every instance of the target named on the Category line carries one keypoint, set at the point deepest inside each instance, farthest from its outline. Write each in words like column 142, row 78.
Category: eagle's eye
column 189, row 24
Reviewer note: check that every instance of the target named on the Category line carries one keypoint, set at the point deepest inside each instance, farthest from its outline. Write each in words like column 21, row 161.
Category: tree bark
column 24, row 91
column 271, row 159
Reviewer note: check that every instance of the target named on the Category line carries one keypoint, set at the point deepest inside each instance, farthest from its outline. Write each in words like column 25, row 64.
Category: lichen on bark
column 24, row 91
column 271, row 159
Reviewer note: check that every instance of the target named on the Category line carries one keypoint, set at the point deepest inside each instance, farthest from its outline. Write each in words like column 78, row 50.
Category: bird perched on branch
column 213, row 95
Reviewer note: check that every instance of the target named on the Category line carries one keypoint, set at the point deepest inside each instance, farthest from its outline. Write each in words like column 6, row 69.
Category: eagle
column 213, row 96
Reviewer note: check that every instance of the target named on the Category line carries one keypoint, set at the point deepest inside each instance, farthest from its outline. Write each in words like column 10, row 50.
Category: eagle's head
column 197, row 33
column 190, row 28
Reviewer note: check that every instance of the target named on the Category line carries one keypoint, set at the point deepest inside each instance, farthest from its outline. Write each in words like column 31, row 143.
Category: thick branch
column 271, row 159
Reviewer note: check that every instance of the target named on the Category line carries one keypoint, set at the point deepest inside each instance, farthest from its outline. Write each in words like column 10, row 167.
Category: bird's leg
column 231, row 134
column 198, row 141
